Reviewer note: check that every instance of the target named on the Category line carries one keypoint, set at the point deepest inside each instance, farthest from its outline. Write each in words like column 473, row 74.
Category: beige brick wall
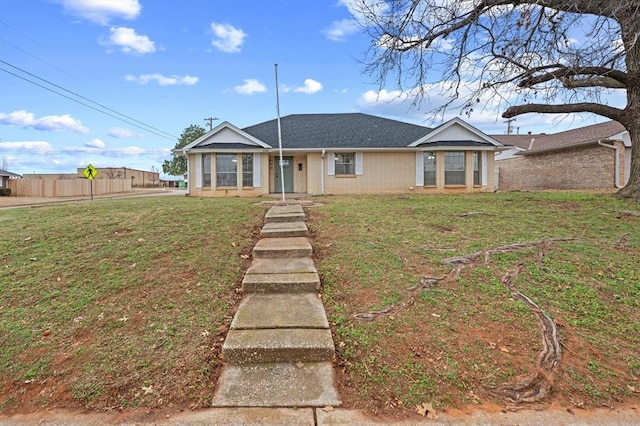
column 383, row 173
column 388, row 173
column 579, row 168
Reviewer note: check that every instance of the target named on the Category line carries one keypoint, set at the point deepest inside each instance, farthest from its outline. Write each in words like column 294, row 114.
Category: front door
column 287, row 170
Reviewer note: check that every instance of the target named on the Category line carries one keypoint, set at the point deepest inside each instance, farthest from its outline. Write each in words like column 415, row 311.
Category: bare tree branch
column 604, row 110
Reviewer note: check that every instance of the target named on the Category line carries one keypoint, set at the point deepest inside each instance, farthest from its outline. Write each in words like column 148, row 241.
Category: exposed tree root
column 538, row 386
column 530, row 389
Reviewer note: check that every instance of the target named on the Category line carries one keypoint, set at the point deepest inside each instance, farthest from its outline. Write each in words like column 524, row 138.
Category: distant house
column 340, row 154
column 590, row 157
column 5, row 175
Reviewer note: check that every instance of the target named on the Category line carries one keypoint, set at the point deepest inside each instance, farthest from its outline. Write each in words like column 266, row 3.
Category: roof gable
column 4, row 172
column 226, row 135
column 456, row 132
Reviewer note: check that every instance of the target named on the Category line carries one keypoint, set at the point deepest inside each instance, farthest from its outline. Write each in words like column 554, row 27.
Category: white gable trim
column 433, row 135
column 243, row 137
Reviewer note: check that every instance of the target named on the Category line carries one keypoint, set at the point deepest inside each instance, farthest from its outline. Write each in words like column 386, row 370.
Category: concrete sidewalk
column 316, row 416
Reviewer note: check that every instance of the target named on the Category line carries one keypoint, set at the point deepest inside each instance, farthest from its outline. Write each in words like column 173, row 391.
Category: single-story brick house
column 591, row 157
column 350, row 153
column 5, row 175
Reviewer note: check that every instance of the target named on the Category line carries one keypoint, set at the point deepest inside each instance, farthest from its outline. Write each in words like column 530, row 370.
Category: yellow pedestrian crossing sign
column 90, row 172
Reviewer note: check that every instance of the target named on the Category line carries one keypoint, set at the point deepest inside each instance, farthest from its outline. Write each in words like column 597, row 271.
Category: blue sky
column 157, row 66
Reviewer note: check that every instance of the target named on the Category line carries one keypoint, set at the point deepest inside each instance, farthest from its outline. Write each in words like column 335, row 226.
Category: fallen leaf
column 503, row 349
column 435, row 315
column 327, row 409
column 141, row 240
column 204, row 333
column 632, row 388
column 244, row 256
column 147, row 389
column 233, row 244
column 123, row 319
column 492, row 345
column 426, row 409
column 28, row 239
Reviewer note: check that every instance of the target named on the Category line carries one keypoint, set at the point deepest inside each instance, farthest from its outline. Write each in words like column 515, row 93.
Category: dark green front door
column 287, row 170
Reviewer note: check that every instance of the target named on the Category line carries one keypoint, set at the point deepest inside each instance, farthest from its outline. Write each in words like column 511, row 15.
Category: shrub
column 5, row 192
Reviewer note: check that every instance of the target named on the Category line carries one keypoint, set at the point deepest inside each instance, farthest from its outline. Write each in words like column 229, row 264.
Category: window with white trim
column 206, row 170
column 345, row 163
column 227, row 170
column 247, row 170
column 477, row 168
column 454, row 168
column 429, row 165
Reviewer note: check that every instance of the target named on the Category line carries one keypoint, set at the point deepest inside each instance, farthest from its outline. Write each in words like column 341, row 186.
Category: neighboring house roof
column 350, row 130
column 9, row 174
column 543, row 143
column 518, row 141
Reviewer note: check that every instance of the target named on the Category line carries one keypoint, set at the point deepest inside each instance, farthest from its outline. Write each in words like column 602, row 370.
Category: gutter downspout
column 322, row 172
column 616, row 167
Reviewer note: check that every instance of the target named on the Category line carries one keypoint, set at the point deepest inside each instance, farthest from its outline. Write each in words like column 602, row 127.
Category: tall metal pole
column 279, row 133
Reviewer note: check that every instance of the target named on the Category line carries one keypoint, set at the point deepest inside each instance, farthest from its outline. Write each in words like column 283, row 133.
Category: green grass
column 447, row 344
column 102, row 298
column 124, row 303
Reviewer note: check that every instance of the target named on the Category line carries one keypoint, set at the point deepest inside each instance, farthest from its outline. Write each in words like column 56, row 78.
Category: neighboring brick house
column 591, row 157
column 340, row 154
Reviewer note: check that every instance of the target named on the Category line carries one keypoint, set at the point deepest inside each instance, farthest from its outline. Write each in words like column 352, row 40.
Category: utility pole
column 509, row 127
column 210, row 121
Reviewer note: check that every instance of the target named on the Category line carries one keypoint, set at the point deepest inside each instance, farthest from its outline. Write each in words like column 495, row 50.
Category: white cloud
column 162, row 80
column 95, row 143
column 129, row 42
column 310, row 87
column 250, row 87
column 122, row 133
column 102, row 11
column 52, row 123
column 30, row 147
column 227, row 38
column 339, row 30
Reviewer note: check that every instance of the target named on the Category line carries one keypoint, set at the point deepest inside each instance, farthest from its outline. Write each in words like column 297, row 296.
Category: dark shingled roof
column 351, row 130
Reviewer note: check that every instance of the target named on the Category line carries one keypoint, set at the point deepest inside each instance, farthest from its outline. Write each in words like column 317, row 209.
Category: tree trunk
column 632, row 188
column 630, row 29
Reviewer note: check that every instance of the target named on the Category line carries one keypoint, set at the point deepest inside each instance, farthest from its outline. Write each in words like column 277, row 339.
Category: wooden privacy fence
column 67, row 187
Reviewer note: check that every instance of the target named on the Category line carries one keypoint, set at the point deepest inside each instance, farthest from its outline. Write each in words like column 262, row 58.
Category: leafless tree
column 527, row 56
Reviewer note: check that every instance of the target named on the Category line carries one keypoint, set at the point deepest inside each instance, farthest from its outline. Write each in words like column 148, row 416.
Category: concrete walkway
column 279, row 349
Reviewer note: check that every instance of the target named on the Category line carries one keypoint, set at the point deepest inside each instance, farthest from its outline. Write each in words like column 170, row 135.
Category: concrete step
column 284, row 229
column 300, row 282
column 270, row 311
column 282, row 248
column 277, row 385
column 277, row 345
column 291, row 213
column 282, row 266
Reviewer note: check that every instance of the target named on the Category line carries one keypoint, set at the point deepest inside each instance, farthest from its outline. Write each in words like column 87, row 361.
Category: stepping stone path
column 279, row 348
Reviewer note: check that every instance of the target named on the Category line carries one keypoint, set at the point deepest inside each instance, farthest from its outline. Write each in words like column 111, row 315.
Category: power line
column 146, row 127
